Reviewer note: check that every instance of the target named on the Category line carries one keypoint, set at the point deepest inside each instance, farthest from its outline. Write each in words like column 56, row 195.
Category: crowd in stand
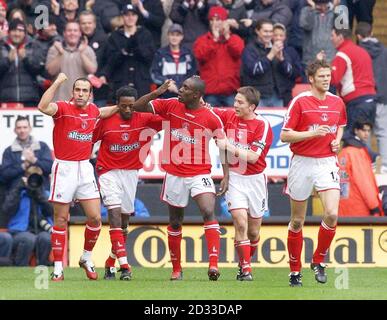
column 141, row 43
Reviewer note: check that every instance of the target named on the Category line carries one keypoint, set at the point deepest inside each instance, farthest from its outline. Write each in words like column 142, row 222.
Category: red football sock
column 325, row 237
column 211, row 230
column 58, row 239
column 253, row 247
column 174, row 241
column 111, row 260
column 295, row 242
column 118, row 246
column 91, row 237
column 243, row 249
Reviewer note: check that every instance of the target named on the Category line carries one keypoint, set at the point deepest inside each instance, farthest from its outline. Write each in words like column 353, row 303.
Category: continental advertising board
column 278, row 158
column 147, row 246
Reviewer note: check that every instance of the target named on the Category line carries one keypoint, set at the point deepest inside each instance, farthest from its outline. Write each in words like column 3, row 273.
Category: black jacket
column 378, row 53
column 18, row 78
column 129, row 59
column 265, row 75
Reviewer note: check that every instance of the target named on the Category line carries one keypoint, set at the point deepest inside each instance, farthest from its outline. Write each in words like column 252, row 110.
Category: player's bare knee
column 297, row 224
column 253, row 234
column 208, row 214
column 331, row 219
column 60, row 222
column 241, row 228
column 94, row 221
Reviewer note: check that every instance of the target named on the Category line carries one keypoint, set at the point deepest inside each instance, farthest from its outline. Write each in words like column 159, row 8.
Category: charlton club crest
column 125, row 136
column 84, row 125
column 324, row 117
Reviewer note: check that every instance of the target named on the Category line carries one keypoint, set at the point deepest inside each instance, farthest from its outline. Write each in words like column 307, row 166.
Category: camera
column 35, row 181
column 45, row 225
column 34, row 177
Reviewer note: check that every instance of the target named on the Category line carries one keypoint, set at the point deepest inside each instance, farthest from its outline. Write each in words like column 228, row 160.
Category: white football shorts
column 248, row 192
column 72, row 180
column 118, row 189
column 306, row 173
column 176, row 190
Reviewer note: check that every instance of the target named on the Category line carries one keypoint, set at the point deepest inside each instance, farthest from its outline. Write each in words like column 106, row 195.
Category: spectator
column 151, row 16
column 42, row 42
column 174, row 61
column 317, row 21
column 72, row 57
column 361, row 9
column 64, row 11
column 3, row 20
column 267, row 66
column 97, row 40
column 24, row 152
column 236, row 14
column 107, row 13
column 378, row 53
column 192, row 15
column 359, row 194
column 130, row 51
column 275, row 10
column 27, row 10
column 218, row 53
column 295, row 32
column 287, row 83
column 17, row 71
column 352, row 75
column 29, row 219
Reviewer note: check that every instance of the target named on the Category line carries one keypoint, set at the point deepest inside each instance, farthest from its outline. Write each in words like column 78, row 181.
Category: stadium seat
column 299, row 88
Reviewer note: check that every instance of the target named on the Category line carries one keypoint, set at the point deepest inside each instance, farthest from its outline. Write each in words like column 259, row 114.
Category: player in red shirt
column 72, row 176
column 313, row 126
column 186, row 161
column 125, row 142
column 249, row 137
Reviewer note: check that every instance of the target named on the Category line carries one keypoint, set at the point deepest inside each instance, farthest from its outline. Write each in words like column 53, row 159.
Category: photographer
column 23, row 152
column 29, row 217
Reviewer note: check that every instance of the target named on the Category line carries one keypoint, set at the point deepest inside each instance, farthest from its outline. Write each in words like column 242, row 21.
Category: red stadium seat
column 299, row 88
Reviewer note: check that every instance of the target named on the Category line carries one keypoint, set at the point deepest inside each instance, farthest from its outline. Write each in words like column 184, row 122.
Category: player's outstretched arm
column 244, row 155
column 142, row 104
column 107, row 112
column 292, row 136
column 45, row 104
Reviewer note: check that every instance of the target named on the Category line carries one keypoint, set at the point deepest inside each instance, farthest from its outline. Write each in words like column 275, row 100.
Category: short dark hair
column 261, row 22
column 83, row 79
column 73, row 21
column 345, row 32
column 88, row 13
column 363, row 29
column 251, row 94
column 360, row 123
column 312, row 67
column 22, row 118
column 126, row 91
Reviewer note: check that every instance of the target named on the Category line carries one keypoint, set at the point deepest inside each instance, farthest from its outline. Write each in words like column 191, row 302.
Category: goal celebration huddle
column 313, row 127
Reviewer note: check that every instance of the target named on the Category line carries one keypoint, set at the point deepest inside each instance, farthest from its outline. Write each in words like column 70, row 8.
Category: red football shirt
column 254, row 135
column 73, row 130
column 306, row 113
column 125, row 143
column 186, row 141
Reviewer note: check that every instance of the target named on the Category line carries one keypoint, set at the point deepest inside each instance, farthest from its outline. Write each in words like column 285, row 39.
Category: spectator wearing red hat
column 3, row 20
column 17, row 68
column 218, row 53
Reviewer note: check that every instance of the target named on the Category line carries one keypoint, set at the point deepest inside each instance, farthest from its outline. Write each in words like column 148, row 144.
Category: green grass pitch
column 154, row 284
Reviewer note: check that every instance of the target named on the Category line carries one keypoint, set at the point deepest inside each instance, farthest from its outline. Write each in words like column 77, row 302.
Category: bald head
column 198, row 84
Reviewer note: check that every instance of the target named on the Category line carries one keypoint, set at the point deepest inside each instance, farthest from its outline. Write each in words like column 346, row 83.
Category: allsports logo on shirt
column 124, row 147
column 314, row 127
column 75, row 135
column 183, row 137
